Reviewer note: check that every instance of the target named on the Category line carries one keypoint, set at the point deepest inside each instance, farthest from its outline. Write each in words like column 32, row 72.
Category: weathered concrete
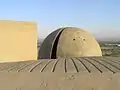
column 75, row 42
column 89, row 73
column 18, row 41
column 46, row 48
column 69, row 42
column 66, row 65
column 59, row 81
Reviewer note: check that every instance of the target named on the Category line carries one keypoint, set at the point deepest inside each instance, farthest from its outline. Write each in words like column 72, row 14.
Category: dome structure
column 69, row 42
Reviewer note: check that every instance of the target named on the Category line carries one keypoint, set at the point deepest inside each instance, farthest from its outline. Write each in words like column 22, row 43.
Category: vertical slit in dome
column 54, row 49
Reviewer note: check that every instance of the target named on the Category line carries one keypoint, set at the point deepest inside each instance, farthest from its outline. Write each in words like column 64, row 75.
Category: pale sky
column 99, row 17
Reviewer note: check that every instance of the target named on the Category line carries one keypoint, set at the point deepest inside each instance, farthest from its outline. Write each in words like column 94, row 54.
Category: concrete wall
column 18, row 41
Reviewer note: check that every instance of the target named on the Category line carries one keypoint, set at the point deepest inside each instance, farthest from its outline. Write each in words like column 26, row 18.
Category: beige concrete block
column 18, row 41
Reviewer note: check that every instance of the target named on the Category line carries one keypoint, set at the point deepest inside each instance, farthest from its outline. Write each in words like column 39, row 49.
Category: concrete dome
column 69, row 42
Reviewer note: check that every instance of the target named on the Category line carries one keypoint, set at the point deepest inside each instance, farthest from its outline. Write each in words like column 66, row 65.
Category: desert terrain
column 110, row 48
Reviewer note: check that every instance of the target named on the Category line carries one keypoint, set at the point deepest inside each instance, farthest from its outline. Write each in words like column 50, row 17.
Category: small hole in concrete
column 73, row 39
column 84, row 39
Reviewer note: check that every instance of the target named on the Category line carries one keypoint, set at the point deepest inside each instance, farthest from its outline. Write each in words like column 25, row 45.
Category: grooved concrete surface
column 93, row 73
column 66, row 65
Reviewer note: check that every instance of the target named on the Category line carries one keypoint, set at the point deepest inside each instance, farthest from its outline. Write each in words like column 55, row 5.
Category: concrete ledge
column 59, row 81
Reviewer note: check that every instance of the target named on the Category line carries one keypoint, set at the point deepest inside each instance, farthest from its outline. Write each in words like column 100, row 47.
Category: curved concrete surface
column 69, row 42
column 93, row 73
column 75, row 42
column 65, row 65
column 47, row 45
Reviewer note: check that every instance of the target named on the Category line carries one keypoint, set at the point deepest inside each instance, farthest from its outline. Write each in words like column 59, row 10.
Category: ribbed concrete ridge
column 65, row 65
column 95, row 73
